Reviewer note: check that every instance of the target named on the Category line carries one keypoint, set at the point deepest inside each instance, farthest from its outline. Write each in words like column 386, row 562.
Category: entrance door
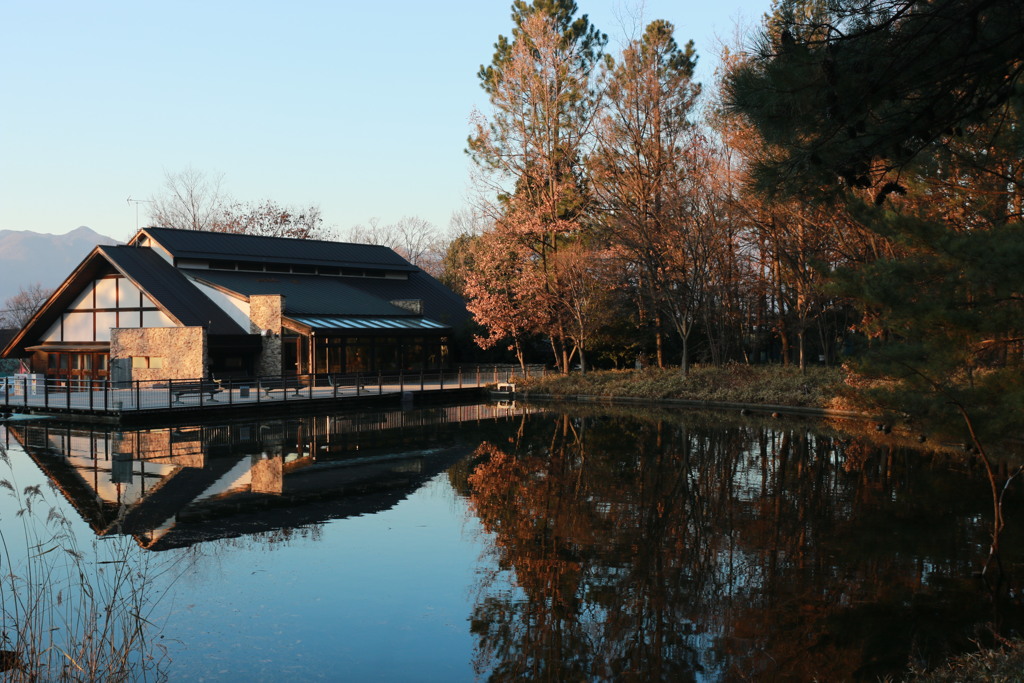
column 77, row 366
column 290, row 350
column 121, row 372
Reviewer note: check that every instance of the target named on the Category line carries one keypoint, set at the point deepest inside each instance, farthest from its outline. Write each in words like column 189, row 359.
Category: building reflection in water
column 173, row 487
column 616, row 544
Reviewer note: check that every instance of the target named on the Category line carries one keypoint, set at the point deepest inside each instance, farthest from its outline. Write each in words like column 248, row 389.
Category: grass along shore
column 818, row 387
column 1003, row 664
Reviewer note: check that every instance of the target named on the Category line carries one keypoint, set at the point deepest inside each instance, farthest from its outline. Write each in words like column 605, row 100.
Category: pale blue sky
column 362, row 108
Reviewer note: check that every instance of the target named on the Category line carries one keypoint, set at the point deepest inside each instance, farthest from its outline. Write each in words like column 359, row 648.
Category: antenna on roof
column 136, row 202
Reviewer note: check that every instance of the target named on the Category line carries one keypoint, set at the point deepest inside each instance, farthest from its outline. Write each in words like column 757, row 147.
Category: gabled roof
column 351, row 297
column 174, row 293
column 170, row 289
column 198, row 244
column 304, row 294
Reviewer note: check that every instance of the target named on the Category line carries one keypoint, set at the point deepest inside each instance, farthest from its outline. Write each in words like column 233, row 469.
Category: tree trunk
column 556, row 356
column 685, row 367
column 826, row 346
column 564, row 349
column 784, row 340
column 801, row 337
column 659, row 342
column 709, row 327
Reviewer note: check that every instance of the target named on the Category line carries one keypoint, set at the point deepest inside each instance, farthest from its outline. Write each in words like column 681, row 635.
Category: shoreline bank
column 768, row 408
column 817, row 391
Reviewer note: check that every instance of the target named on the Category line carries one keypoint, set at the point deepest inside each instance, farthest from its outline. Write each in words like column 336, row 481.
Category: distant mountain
column 28, row 257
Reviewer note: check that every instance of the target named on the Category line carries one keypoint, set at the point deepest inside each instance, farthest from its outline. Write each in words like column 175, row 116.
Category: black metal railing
column 98, row 395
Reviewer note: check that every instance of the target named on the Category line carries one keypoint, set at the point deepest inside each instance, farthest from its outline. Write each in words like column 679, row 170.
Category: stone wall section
column 182, row 351
column 267, row 474
column 162, row 447
column 265, row 312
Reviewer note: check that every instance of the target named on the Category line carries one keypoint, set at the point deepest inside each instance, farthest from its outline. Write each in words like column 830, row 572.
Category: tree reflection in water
column 676, row 547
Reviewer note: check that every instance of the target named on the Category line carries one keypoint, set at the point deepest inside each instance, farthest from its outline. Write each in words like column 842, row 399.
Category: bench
column 356, row 382
column 200, row 387
column 269, row 384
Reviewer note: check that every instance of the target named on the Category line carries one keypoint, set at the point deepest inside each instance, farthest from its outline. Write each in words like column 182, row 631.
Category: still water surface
column 494, row 542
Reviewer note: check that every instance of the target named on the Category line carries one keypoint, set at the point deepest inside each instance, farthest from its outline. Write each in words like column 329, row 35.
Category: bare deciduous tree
column 270, row 219
column 192, row 200
column 189, row 200
column 414, row 238
column 19, row 309
column 464, row 228
column 587, row 280
column 649, row 175
column 468, row 221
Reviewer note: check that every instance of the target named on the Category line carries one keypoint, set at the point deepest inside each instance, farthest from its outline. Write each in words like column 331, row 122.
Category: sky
column 360, row 108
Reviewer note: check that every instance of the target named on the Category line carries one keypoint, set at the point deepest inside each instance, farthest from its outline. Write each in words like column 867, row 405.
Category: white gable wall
column 238, row 309
column 145, row 241
column 106, row 303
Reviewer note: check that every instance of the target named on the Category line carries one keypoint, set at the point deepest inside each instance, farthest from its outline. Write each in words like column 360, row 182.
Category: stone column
column 265, row 319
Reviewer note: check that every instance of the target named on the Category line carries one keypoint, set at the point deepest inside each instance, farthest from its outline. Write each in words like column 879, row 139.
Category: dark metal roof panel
column 439, row 302
column 304, row 294
column 171, row 289
column 199, row 244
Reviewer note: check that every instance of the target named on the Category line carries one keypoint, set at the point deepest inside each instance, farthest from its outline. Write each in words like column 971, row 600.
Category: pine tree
column 532, row 149
column 908, row 115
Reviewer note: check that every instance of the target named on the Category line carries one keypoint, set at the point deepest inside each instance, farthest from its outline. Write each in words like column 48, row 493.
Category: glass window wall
column 369, row 354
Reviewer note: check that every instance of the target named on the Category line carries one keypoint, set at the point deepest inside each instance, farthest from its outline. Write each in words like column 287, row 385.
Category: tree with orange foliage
column 503, row 292
column 532, row 148
column 649, row 170
column 585, row 280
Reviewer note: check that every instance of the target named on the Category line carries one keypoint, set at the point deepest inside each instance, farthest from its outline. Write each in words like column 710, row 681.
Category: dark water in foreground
column 542, row 544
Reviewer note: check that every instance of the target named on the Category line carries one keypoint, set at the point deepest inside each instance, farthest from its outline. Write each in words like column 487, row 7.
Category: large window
column 359, row 355
column 379, row 354
column 106, row 303
column 147, row 362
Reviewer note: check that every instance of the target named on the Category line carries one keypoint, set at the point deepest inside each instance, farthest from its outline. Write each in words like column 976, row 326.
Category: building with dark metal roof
column 196, row 245
column 182, row 304
column 7, row 334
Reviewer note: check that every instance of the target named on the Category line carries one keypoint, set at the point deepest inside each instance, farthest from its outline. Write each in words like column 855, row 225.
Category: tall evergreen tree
column 843, row 91
column 909, row 114
column 576, row 32
column 533, row 146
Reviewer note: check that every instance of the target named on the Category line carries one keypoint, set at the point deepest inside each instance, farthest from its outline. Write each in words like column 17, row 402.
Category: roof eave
column 152, row 298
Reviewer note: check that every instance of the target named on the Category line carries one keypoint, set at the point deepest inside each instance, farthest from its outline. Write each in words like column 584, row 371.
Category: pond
column 506, row 541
